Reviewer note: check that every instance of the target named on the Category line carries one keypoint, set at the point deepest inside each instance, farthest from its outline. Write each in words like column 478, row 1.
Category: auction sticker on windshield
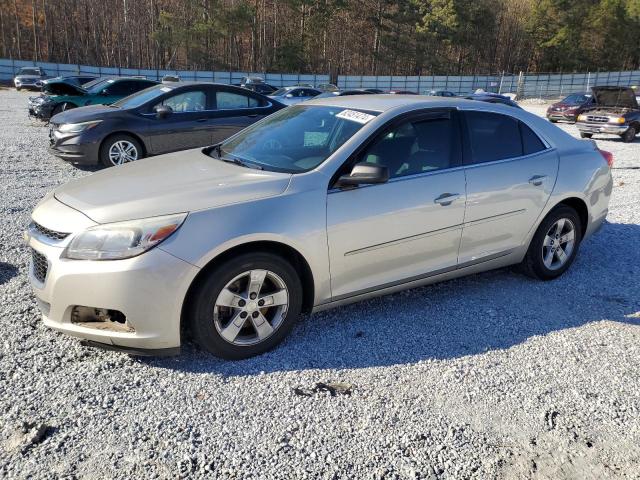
column 355, row 116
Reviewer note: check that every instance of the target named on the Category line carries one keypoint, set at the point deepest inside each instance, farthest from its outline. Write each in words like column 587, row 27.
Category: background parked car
column 77, row 80
column 160, row 119
column 570, row 107
column 256, row 84
column 442, row 93
column 492, row 98
column 29, row 77
column 295, row 94
column 615, row 111
column 101, row 92
column 343, row 93
column 327, row 87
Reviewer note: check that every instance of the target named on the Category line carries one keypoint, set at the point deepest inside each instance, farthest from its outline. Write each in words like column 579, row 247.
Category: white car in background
column 29, row 77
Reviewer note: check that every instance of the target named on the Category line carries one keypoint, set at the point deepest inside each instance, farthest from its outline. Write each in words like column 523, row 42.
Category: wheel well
column 285, row 251
column 581, row 208
column 140, row 141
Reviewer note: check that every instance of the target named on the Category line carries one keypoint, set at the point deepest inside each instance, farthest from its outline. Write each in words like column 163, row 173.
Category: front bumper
column 601, row 128
column 80, row 148
column 40, row 110
column 148, row 290
column 560, row 116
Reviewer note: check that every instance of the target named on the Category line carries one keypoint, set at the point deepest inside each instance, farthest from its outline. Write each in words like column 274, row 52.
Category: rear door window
column 531, row 143
column 492, row 137
column 233, row 100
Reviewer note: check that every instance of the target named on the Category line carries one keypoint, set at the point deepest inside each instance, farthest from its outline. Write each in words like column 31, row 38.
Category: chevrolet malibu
column 320, row 204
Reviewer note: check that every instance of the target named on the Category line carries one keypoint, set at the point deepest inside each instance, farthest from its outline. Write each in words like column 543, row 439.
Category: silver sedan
column 320, row 204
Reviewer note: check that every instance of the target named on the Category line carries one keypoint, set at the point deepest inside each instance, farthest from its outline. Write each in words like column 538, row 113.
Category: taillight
column 608, row 156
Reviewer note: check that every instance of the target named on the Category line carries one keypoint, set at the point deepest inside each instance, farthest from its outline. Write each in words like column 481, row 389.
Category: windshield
column 576, row 99
column 29, row 71
column 295, row 139
column 142, row 97
column 280, row 92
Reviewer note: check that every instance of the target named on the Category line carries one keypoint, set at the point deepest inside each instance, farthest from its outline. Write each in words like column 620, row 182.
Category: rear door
column 235, row 110
column 510, row 174
column 188, row 126
column 407, row 228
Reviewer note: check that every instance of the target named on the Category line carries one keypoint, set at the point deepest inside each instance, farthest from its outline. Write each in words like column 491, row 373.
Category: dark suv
column 615, row 112
column 570, row 107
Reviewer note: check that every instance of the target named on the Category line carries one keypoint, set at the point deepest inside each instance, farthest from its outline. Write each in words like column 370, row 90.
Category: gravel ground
column 490, row 376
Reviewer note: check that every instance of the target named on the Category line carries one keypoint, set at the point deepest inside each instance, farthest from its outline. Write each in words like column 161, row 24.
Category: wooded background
column 363, row 37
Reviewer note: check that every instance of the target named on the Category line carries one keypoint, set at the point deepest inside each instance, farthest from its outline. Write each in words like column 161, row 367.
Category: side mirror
column 365, row 174
column 163, row 111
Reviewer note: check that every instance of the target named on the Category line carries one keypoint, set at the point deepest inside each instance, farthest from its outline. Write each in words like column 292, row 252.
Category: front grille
column 40, row 265
column 51, row 234
column 597, row 119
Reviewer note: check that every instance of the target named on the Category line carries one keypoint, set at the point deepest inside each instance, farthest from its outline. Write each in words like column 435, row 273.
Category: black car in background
column 491, row 98
column 159, row 119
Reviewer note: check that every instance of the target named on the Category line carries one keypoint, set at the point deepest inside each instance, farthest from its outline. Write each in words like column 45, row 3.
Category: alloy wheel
column 558, row 244
column 122, row 151
column 251, row 307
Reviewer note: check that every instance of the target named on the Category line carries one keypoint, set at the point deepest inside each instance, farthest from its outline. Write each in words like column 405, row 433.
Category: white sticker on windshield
column 355, row 116
column 166, row 89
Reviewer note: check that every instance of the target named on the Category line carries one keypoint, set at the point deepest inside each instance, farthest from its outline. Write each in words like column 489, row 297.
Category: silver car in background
column 318, row 205
column 295, row 94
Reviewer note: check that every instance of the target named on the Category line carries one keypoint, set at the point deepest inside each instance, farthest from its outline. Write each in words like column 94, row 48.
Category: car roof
column 383, row 102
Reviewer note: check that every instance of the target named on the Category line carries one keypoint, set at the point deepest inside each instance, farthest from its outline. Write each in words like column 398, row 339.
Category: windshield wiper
column 229, row 158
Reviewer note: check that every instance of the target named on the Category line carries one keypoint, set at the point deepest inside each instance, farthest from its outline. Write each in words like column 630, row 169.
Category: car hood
column 615, row 97
column 85, row 114
column 178, row 182
column 61, row 88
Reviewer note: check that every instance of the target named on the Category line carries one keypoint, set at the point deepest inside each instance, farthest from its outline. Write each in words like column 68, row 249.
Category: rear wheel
column 246, row 306
column 630, row 135
column 120, row 149
column 586, row 135
column 554, row 245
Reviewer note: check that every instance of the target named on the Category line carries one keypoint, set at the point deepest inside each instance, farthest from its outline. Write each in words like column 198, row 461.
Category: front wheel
column 630, row 135
column 245, row 306
column 586, row 135
column 554, row 245
column 120, row 149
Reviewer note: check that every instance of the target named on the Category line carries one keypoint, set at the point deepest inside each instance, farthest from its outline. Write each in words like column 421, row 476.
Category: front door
column 510, row 176
column 188, row 126
column 409, row 227
column 234, row 112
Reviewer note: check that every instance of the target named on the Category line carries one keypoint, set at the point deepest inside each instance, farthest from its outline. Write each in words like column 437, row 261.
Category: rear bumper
column 602, row 128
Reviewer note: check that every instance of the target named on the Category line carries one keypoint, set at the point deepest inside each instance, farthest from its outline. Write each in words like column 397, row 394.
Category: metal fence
column 8, row 69
column 540, row 85
column 543, row 85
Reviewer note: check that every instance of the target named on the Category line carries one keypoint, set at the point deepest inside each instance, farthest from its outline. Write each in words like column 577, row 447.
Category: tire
column 546, row 238
column 553, row 121
column 62, row 107
column 586, row 135
column 630, row 135
column 230, row 332
column 109, row 148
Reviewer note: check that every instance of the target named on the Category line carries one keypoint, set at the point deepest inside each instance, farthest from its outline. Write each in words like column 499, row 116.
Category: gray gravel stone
column 490, row 376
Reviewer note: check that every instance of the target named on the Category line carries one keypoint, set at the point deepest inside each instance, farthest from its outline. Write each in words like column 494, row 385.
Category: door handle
column 446, row 199
column 253, row 115
column 202, row 120
column 537, row 180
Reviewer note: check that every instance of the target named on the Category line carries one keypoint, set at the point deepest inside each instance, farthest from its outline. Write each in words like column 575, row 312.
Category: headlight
column 77, row 127
column 582, row 118
column 114, row 241
column 616, row 120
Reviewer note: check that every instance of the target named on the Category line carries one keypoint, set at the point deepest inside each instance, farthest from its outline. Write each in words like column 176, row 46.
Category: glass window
column 119, row 88
column 29, row 71
column 192, row 101
column 531, row 143
column 493, row 136
column 295, row 139
column 231, row 100
column 141, row 97
column 414, row 147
